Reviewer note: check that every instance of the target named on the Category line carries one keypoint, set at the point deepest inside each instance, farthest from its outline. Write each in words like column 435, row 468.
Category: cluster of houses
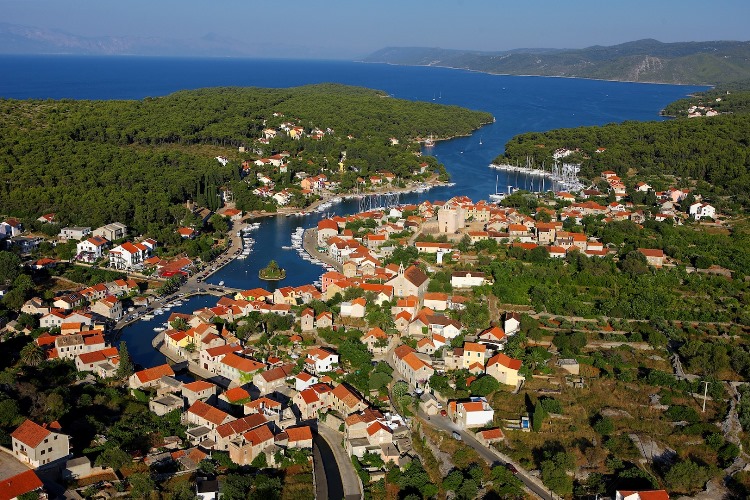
column 103, row 300
column 264, row 167
column 94, row 245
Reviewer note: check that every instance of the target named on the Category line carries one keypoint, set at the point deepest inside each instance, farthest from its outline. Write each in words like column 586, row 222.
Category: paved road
column 491, row 455
column 349, row 479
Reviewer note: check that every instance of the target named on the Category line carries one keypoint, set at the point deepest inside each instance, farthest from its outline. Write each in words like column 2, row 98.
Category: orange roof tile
column 154, row 373
column 199, row 386
column 236, row 394
column 502, row 359
column 208, row 412
column 30, row 433
column 259, row 435
column 19, row 484
column 299, row 433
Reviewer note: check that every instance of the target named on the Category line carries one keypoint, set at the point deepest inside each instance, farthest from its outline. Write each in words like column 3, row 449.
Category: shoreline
column 313, row 207
column 708, row 85
column 524, row 170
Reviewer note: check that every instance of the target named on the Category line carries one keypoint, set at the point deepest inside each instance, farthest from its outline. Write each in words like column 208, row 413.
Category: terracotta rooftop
column 30, row 433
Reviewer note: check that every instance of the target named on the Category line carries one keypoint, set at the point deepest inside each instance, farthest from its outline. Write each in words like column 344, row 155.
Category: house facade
column 38, row 446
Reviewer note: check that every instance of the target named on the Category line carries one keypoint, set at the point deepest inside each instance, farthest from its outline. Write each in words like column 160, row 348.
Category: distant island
column 696, row 63
column 272, row 272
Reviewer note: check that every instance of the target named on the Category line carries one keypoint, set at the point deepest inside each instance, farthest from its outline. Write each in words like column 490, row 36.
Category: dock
column 310, row 244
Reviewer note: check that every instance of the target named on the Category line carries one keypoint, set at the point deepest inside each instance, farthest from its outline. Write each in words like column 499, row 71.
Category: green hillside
column 704, row 63
column 94, row 162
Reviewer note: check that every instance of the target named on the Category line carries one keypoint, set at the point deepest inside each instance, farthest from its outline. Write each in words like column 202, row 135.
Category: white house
column 74, row 233
column 700, row 210
column 39, row 446
column 467, row 279
column 304, row 380
column 128, row 256
column 512, row 323
column 320, row 360
column 473, row 413
column 91, row 249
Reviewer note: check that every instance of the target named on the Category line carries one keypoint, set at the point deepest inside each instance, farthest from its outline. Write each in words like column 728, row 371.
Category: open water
column 519, row 104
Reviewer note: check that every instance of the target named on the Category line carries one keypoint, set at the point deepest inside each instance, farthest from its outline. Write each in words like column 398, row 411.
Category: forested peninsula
column 700, row 63
column 713, row 150
column 91, row 162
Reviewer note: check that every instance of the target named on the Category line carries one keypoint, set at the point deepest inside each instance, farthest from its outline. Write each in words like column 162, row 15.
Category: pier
column 310, row 244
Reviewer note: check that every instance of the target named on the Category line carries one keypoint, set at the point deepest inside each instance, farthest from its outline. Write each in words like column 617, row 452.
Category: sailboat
column 496, row 197
column 428, row 143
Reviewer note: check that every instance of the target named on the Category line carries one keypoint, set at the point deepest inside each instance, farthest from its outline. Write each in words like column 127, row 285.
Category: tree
column 141, row 485
column 453, row 480
column 32, row 354
column 400, row 389
column 10, row 267
column 125, row 367
column 179, row 324
column 468, row 490
column 9, row 413
column 484, row 385
column 219, row 223
column 260, row 462
column 464, row 244
column 505, row 484
column 113, row 457
column 686, row 477
column 538, row 417
column 604, row 426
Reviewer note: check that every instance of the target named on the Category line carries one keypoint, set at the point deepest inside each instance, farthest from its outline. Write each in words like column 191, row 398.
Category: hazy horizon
column 339, row 30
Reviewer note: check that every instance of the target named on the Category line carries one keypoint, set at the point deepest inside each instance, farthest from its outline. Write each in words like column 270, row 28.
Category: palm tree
column 32, row 354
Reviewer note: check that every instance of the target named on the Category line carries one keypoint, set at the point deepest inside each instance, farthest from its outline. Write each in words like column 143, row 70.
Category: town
column 398, row 343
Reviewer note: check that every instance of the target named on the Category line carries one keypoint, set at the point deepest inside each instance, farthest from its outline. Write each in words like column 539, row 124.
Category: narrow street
column 491, row 455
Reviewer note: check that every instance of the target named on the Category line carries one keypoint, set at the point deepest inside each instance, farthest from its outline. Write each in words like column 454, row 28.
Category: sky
column 351, row 29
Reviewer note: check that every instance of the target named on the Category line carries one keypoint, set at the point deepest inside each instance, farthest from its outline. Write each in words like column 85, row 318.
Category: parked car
column 511, row 468
column 443, row 413
column 456, row 436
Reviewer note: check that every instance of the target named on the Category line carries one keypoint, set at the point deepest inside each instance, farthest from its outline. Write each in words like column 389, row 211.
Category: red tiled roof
column 241, row 425
column 651, row 252
column 473, row 406
column 19, row 484
column 208, row 412
column 259, row 435
column 647, row 495
column 157, row 372
column 30, row 433
column 508, row 362
column 199, row 386
column 236, row 394
column 299, row 433
column 242, row 364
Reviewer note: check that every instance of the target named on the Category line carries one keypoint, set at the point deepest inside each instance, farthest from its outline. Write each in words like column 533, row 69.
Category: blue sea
column 519, row 104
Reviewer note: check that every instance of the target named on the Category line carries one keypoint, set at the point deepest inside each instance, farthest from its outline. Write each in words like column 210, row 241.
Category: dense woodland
column 714, row 150
column 723, row 101
column 137, row 161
